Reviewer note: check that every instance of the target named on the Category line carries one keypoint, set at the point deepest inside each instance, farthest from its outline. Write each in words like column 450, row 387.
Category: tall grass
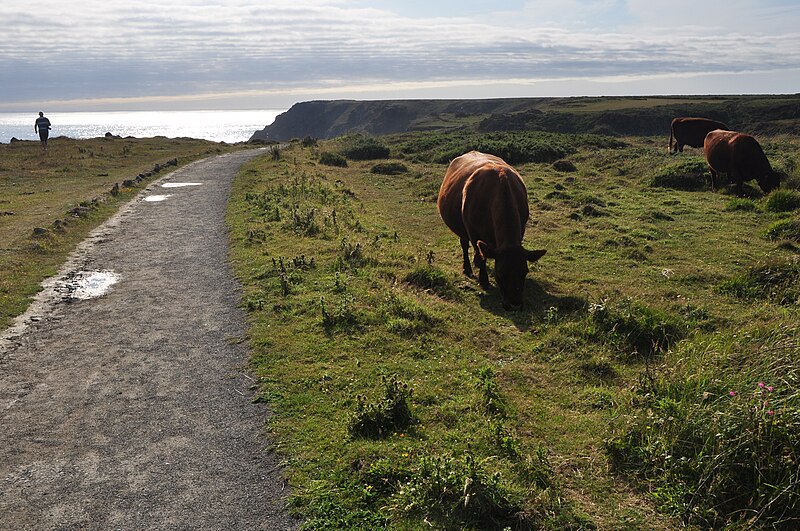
column 717, row 438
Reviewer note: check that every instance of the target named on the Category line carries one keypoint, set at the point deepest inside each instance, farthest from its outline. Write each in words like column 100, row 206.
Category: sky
column 265, row 54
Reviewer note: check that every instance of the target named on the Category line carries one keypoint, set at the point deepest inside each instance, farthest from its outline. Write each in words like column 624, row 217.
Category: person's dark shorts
column 43, row 134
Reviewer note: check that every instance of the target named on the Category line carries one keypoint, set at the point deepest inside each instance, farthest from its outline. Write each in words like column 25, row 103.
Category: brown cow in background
column 741, row 157
column 484, row 201
column 691, row 132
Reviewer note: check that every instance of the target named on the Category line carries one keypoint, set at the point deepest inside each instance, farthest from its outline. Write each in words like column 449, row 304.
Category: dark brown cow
column 741, row 157
column 484, row 201
column 691, row 132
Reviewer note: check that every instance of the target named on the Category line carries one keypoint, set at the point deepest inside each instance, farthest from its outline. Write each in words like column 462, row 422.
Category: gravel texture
column 133, row 410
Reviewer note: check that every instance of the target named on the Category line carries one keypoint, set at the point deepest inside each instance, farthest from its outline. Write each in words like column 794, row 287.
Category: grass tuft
column 784, row 229
column 782, row 200
column 772, row 279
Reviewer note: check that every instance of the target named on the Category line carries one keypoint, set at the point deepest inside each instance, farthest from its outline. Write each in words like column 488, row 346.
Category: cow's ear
column 533, row 256
column 486, row 250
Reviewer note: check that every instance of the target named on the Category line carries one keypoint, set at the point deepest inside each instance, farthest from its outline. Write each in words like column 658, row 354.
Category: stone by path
column 133, row 410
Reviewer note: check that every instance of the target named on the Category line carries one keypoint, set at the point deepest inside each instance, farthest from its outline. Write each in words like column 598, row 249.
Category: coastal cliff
column 630, row 115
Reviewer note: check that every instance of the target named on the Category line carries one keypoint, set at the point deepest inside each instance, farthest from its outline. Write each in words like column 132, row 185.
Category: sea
column 217, row 126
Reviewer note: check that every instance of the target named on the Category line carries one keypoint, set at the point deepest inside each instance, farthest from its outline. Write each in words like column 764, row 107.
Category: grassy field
column 650, row 383
column 66, row 191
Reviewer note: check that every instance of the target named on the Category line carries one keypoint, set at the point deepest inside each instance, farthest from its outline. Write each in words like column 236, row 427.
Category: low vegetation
column 404, row 396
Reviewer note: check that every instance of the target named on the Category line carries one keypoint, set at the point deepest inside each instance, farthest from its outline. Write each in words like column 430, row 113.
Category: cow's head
column 510, row 268
column 770, row 181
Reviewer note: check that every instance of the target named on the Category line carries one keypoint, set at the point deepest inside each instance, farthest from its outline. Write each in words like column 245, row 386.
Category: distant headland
column 609, row 115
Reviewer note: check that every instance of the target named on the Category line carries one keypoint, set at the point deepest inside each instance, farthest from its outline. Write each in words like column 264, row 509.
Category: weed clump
column 342, row 318
column 741, row 204
column 432, row 278
column 685, row 175
column 460, row 493
column 635, row 326
column 492, row 401
column 774, row 279
column 389, row 168
column 391, row 413
column 782, row 201
column 405, row 316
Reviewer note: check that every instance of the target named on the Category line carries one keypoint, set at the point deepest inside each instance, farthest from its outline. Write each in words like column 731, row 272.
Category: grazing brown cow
column 691, row 132
column 484, row 201
column 741, row 157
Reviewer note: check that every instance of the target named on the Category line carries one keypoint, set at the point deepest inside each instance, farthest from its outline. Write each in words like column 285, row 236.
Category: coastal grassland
column 37, row 188
column 403, row 395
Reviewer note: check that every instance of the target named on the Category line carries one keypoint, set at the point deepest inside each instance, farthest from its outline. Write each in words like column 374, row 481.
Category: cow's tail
column 669, row 148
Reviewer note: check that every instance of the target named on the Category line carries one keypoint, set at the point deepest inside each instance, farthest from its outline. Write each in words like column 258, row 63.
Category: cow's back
column 692, row 131
column 729, row 151
column 451, row 192
column 717, row 148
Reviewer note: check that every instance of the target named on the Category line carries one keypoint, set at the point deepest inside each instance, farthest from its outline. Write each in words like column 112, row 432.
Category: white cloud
column 146, row 49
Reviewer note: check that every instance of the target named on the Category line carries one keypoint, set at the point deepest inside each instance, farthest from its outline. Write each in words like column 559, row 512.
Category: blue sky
column 215, row 54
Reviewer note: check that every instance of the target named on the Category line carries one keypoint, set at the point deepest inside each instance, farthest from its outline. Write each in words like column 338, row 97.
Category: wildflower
column 731, row 393
column 769, row 388
column 770, row 412
column 761, row 385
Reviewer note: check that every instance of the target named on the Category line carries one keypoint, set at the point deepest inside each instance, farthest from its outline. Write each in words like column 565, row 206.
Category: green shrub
column 389, row 168
column 360, row 147
column 564, row 166
column 514, row 147
column 773, row 279
column 332, row 159
column 308, row 141
column 785, row 229
column 391, row 413
column 689, row 175
column 782, row 200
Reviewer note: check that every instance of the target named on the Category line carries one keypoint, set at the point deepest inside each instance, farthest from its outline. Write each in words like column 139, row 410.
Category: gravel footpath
column 133, row 410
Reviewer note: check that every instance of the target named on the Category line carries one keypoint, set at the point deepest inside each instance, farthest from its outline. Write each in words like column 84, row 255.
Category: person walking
column 43, row 126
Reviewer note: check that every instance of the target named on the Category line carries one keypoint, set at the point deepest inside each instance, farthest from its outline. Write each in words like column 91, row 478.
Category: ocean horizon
column 214, row 125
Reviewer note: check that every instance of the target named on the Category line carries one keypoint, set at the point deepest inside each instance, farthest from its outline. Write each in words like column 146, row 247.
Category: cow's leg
column 678, row 146
column 739, row 178
column 713, row 179
column 483, row 276
column 465, row 251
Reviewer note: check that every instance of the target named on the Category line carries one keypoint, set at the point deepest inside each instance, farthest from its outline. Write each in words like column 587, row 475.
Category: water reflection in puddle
column 84, row 285
column 179, row 185
column 154, row 198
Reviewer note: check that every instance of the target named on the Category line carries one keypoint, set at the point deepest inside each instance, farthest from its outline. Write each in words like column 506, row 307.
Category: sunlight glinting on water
column 217, row 126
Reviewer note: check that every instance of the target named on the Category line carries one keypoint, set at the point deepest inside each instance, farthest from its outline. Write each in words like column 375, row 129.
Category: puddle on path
column 179, row 185
column 82, row 285
column 154, row 198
